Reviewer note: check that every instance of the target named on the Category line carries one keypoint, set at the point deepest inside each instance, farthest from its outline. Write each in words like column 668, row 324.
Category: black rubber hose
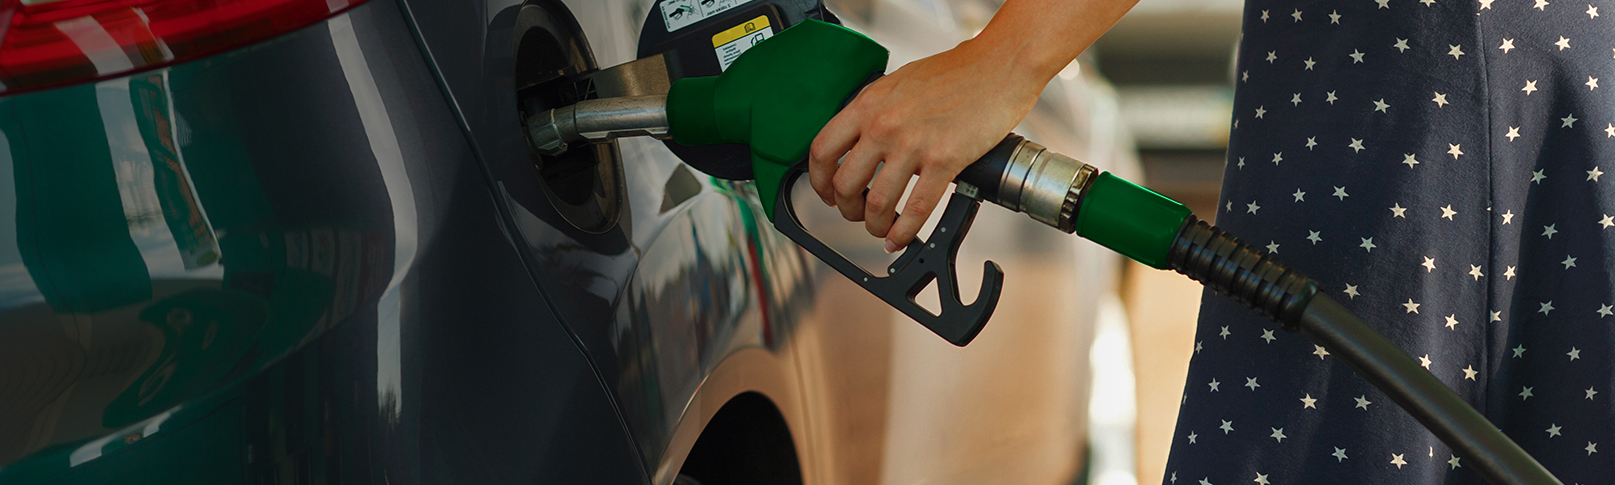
column 1255, row 279
column 1496, row 457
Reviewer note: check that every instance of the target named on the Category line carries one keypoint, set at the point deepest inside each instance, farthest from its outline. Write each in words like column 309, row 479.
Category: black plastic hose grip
column 1240, row 271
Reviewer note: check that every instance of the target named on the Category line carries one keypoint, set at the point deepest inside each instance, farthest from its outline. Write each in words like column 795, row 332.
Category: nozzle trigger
column 922, row 262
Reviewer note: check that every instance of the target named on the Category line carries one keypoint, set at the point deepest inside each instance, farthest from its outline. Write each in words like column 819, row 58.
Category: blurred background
column 1149, row 101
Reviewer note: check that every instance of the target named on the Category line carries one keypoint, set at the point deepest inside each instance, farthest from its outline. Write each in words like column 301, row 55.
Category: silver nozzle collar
column 1045, row 185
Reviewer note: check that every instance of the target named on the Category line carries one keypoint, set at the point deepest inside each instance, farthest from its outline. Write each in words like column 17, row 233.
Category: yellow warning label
column 742, row 30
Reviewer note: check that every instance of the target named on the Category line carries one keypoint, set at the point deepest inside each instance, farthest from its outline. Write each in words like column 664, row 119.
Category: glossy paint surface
column 281, row 264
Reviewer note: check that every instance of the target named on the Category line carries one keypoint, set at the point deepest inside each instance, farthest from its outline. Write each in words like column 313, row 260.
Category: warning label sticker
column 678, row 14
column 729, row 44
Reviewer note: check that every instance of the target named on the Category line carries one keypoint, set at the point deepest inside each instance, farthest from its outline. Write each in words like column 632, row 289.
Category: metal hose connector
column 1240, row 271
column 1045, row 185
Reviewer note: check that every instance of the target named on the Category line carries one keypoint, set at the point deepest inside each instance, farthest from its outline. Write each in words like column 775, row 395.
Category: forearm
column 1043, row 36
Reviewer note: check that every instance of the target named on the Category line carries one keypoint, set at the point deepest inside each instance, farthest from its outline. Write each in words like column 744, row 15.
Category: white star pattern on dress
column 1334, row 17
column 1297, row 15
column 1609, row 129
column 1330, row 97
column 1383, row 3
column 1574, row 353
column 1475, row 271
column 1299, row 195
column 1260, row 111
column 1429, row 264
column 1525, row 393
column 1396, row 459
column 1272, row 56
column 1224, row 333
column 1295, row 100
column 1319, row 351
column 1355, row 145
column 1514, row 132
column 1214, row 385
column 1278, row 434
column 1351, row 293
column 1606, row 310
column 1569, row 262
column 1485, row 4
column 1590, row 393
column 1569, row 121
column 1607, row 221
column 1454, row 150
column 1192, row 437
column 1397, row 210
column 1313, row 236
column 1591, row 448
column 1227, row 427
column 1424, row 361
column 1519, row 350
column 1356, row 57
column 1264, row 16
column 1340, row 192
column 1447, row 212
column 1545, row 307
column 1368, row 244
column 1497, row 316
column 1262, row 479
column 1508, row 217
column 1411, row 306
column 1204, row 482
column 1380, row 106
column 1540, row 4
column 1455, row 52
column 1553, row 430
column 1594, row 174
column 1470, row 372
column 1268, row 335
column 1508, row 273
column 1440, row 99
column 1538, row 176
column 1452, row 321
column 1592, row 83
column 1454, row 460
column 1507, row 45
column 1309, row 402
column 1563, row 43
column 1401, row 45
column 1409, row 160
column 1339, row 454
column 1362, row 402
column 1530, row 87
column 1251, row 383
column 1592, row 11
column 1549, row 231
column 1251, row 208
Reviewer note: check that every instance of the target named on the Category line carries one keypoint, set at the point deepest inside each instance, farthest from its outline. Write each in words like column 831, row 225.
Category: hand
column 931, row 118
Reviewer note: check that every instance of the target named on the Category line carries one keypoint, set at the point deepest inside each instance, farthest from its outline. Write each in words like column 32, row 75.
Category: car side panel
column 364, row 316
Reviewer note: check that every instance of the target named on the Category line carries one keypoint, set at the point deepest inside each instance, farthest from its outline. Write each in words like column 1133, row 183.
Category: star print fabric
column 1436, row 165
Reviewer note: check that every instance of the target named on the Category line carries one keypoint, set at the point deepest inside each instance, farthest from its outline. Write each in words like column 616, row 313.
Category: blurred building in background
column 1172, row 64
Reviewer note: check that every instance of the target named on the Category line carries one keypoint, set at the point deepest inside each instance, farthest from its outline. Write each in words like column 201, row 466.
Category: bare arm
column 934, row 116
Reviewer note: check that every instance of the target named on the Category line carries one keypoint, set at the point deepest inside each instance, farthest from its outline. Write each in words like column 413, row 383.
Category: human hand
column 931, row 119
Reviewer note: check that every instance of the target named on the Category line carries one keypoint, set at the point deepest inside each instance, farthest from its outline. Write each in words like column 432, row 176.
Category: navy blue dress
column 1437, row 165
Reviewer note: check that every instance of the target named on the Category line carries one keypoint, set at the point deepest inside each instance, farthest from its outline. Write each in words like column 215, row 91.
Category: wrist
column 1022, row 54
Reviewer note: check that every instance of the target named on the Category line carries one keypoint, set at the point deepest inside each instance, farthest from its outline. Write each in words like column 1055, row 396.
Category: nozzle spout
column 597, row 120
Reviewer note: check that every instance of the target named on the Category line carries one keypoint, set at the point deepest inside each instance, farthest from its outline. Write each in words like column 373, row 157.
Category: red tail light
column 53, row 42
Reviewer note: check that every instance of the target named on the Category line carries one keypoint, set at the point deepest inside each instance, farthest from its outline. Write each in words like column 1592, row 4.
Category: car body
column 330, row 257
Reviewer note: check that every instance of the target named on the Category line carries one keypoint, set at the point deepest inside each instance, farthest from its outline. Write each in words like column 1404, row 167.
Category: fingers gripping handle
column 922, row 262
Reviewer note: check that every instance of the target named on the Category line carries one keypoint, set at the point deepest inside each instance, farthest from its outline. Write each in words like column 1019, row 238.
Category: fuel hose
column 1157, row 231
